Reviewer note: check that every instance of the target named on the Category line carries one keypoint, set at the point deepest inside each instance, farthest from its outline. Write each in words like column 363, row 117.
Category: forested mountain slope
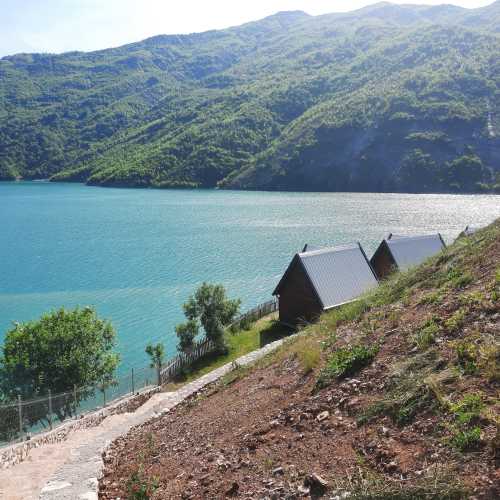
column 384, row 98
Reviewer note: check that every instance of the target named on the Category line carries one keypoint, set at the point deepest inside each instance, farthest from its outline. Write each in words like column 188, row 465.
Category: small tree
column 187, row 332
column 60, row 351
column 157, row 354
column 210, row 306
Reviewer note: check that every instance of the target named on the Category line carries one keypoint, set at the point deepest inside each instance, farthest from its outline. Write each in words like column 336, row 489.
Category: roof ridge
column 396, row 237
column 336, row 248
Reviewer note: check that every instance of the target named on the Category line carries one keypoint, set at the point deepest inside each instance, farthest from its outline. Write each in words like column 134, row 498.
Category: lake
column 136, row 255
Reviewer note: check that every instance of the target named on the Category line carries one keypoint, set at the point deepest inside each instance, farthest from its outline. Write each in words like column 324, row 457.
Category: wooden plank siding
column 383, row 262
column 298, row 301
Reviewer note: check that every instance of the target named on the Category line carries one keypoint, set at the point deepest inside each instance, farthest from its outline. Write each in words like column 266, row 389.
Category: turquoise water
column 137, row 254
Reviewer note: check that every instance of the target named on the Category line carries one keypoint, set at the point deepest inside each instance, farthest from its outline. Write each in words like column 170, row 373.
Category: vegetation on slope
column 394, row 396
column 385, row 98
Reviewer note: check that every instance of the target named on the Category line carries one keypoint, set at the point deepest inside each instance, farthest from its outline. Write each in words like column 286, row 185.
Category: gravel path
column 69, row 470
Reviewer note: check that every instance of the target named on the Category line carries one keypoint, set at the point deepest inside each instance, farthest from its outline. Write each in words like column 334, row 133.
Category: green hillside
column 386, row 98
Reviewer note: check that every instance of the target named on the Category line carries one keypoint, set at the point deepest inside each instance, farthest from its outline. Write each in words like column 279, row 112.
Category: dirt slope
column 396, row 396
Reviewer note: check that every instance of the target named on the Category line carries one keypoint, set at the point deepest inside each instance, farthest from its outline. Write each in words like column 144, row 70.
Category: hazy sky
column 62, row 25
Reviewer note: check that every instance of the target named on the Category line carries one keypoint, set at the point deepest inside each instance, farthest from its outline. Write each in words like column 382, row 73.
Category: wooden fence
column 206, row 346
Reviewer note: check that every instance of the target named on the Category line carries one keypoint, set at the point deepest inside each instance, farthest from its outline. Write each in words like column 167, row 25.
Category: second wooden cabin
column 402, row 252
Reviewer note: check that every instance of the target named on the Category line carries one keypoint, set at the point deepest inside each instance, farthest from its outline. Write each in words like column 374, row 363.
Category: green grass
column 238, row 343
column 346, row 361
column 426, row 335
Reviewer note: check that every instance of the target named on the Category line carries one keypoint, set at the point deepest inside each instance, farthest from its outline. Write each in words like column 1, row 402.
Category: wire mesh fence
column 22, row 418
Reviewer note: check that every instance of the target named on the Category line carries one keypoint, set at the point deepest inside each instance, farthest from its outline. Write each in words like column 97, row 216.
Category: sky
column 64, row 25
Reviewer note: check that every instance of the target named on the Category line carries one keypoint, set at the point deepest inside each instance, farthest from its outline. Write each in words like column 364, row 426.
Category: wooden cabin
column 402, row 252
column 318, row 280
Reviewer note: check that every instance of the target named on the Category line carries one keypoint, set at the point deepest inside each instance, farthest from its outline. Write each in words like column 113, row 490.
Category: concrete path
column 70, row 470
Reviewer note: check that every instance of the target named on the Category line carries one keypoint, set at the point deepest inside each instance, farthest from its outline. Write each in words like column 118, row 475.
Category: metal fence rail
column 23, row 418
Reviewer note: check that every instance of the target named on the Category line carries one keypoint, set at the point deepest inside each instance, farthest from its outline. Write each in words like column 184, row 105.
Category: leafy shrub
column 467, row 440
column 468, row 409
column 140, row 487
column 346, row 361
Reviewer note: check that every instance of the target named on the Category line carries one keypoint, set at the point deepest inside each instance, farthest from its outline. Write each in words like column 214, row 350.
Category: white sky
column 62, row 25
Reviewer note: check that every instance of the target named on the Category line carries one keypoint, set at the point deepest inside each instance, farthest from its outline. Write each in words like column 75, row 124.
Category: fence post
column 159, row 373
column 103, row 396
column 50, row 409
column 133, row 385
column 20, row 408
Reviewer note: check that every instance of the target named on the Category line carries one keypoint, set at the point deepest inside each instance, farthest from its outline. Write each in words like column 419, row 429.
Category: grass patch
column 489, row 361
column 456, row 320
column 466, row 412
column 346, row 361
column 467, row 440
column 431, row 298
column 458, row 278
column 367, row 484
column 426, row 335
column 467, row 353
column 238, row 344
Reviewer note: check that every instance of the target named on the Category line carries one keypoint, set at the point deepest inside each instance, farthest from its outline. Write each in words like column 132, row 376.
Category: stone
column 323, row 416
column 315, row 483
column 278, row 471
column 233, row 489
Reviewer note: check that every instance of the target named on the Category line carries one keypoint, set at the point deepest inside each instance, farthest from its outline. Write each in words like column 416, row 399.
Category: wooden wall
column 382, row 261
column 297, row 300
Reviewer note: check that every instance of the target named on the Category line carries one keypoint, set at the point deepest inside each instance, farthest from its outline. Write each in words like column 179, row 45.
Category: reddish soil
column 269, row 434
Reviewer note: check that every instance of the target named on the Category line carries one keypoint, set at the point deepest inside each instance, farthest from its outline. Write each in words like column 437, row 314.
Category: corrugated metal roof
column 338, row 274
column 410, row 251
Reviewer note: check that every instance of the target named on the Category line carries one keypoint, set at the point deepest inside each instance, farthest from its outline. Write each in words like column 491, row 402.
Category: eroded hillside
column 394, row 396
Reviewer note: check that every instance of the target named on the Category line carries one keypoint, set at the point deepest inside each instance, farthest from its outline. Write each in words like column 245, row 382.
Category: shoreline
column 246, row 190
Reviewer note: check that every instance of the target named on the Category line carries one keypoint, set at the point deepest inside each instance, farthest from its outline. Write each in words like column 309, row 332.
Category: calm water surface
column 137, row 254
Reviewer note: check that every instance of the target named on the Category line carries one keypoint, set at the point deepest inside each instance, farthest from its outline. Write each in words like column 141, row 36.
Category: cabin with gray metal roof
column 321, row 279
column 402, row 252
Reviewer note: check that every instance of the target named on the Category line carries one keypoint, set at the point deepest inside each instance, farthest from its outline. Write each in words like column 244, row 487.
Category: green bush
column 467, row 440
column 139, row 487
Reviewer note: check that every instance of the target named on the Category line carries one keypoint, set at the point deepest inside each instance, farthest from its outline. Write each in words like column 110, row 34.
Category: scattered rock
column 233, row 489
column 316, row 484
column 323, row 416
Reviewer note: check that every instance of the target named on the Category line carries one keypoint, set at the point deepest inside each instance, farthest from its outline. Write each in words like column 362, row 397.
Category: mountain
column 385, row 98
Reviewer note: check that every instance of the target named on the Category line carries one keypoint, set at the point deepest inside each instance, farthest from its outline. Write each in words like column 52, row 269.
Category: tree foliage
column 62, row 350
column 157, row 355
column 329, row 102
column 210, row 307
